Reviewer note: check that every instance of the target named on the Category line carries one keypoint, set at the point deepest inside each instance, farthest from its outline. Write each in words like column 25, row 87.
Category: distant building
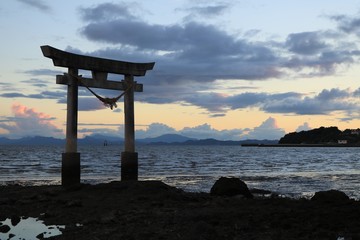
column 355, row 132
column 342, row 141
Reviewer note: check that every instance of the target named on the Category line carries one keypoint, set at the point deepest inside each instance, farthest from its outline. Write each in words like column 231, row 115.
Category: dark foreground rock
column 154, row 210
column 230, row 186
column 330, row 196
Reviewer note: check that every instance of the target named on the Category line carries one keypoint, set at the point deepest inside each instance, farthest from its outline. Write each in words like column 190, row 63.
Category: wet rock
column 201, row 230
column 74, row 203
column 5, row 201
column 108, row 218
column 40, row 236
column 33, row 197
column 4, row 228
column 260, row 191
column 51, row 193
column 74, row 188
column 230, row 187
column 330, row 196
column 43, row 198
column 15, row 220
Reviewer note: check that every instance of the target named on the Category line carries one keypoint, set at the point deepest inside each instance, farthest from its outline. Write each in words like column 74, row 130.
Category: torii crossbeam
column 99, row 67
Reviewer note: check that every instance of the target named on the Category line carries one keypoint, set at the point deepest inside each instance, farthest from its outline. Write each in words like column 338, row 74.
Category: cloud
column 209, row 11
column 86, row 103
column 100, row 131
column 347, row 24
column 320, row 52
column 41, row 95
column 154, row 130
column 205, row 12
column 304, row 127
column 37, row 82
column 38, row 4
column 326, row 102
column 205, row 131
column 12, row 95
column 90, row 104
column 215, row 115
column 106, row 12
column 194, row 51
column 191, row 56
column 356, row 93
column 5, row 86
column 100, row 124
column 305, row 43
column 218, row 103
column 43, row 72
column 29, row 122
column 323, row 103
column 245, row 100
column 267, row 130
column 191, row 51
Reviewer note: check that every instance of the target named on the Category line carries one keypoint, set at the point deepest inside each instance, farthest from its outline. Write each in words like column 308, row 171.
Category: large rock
column 330, row 196
column 4, row 228
column 230, row 187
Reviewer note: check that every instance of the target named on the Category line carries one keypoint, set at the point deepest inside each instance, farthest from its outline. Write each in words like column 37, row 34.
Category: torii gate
column 99, row 67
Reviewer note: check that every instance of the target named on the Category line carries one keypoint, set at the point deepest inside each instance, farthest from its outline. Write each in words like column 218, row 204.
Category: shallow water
column 29, row 229
column 294, row 172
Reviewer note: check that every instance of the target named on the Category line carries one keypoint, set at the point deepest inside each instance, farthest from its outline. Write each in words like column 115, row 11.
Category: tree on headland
column 322, row 135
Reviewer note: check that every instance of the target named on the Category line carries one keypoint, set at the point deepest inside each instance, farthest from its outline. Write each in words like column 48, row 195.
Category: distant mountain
column 50, row 141
column 38, row 140
column 98, row 140
column 167, row 138
column 212, row 141
column 4, row 141
column 215, row 142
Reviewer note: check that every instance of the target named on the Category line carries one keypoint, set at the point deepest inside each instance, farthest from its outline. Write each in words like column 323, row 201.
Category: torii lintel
column 100, row 66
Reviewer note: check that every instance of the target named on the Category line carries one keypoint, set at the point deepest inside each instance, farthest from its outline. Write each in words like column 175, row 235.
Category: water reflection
column 27, row 229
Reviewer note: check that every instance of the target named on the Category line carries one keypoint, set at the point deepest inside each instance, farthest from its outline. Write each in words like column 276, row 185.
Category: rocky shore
column 153, row 210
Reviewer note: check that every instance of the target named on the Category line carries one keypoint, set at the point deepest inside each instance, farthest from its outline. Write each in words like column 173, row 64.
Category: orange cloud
column 30, row 122
column 22, row 111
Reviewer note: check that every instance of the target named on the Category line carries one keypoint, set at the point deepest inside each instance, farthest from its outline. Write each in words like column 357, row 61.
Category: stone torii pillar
column 129, row 167
column 99, row 67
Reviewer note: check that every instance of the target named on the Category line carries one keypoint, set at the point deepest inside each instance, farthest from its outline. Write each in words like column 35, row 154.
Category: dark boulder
column 330, row 196
column 15, row 220
column 4, row 228
column 230, row 187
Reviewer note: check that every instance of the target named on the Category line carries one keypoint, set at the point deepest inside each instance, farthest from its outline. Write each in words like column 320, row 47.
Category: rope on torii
column 108, row 102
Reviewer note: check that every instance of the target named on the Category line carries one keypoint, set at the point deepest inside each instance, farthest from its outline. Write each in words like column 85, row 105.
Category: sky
column 231, row 70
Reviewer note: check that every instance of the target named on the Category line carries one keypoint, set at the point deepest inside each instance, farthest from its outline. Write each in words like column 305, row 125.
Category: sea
column 296, row 172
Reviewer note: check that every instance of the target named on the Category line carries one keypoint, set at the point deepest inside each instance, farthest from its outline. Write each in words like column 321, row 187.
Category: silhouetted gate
column 99, row 67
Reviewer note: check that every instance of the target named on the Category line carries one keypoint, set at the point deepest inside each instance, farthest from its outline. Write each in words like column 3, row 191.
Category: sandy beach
column 154, row 210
